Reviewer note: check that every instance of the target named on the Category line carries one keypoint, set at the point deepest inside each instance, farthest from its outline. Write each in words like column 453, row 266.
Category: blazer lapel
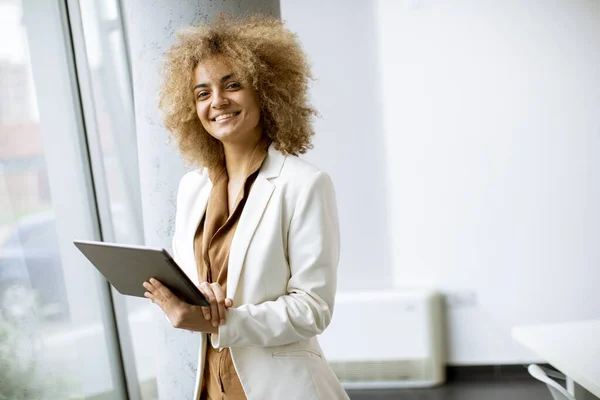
column 197, row 211
column 253, row 210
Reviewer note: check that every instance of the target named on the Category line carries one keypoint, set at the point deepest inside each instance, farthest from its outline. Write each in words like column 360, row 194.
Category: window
column 54, row 309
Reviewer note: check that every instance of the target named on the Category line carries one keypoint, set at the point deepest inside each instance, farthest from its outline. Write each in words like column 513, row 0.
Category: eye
column 233, row 85
column 202, row 95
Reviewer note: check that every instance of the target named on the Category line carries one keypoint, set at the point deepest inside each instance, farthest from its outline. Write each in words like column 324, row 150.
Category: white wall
column 339, row 37
column 480, row 121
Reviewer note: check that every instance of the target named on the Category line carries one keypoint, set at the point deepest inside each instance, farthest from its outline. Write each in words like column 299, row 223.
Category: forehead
column 212, row 70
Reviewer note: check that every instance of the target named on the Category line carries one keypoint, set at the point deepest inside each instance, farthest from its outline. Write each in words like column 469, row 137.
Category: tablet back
column 127, row 267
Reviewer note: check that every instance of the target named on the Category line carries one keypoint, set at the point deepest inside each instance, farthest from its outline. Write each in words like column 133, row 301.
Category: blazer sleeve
column 176, row 232
column 313, row 255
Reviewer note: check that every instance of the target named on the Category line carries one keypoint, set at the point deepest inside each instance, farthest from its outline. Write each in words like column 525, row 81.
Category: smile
column 225, row 117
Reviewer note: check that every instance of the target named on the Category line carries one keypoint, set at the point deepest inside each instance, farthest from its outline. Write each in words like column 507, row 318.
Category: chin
column 227, row 137
column 232, row 135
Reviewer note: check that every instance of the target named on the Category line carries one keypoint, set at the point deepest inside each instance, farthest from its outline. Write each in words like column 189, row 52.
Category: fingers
column 216, row 304
column 213, row 311
column 205, row 290
column 160, row 294
column 215, row 294
column 177, row 311
column 206, row 310
column 149, row 296
column 150, row 292
column 220, row 296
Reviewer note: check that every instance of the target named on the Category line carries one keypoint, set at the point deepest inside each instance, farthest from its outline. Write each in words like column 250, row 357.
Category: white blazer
column 282, row 277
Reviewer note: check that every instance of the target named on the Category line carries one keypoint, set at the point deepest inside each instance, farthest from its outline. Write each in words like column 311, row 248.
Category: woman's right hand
column 215, row 294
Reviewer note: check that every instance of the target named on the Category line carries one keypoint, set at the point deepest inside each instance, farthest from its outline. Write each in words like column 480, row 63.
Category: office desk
column 571, row 347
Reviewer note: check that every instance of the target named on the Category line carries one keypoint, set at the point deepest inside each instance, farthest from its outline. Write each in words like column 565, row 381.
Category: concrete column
column 151, row 27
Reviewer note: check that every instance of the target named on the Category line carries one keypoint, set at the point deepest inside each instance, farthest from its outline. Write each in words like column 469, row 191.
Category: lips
column 226, row 116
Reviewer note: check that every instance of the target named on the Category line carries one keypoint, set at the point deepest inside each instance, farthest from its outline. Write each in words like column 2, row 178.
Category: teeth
column 223, row 116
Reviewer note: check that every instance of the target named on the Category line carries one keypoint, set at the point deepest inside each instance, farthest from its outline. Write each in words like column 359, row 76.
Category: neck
column 237, row 157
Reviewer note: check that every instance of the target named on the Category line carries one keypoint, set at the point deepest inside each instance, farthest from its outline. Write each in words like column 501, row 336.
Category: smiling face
column 228, row 109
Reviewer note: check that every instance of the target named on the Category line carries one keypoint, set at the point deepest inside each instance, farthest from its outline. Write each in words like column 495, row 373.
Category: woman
column 256, row 227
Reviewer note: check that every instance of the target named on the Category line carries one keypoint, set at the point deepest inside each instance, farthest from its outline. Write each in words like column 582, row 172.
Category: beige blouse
column 211, row 245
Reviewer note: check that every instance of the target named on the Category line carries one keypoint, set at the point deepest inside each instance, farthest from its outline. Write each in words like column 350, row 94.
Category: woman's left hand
column 181, row 314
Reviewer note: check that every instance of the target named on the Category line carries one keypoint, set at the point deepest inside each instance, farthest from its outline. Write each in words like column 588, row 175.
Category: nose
column 219, row 100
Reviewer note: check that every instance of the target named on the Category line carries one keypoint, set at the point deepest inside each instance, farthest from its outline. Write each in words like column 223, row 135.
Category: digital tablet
column 127, row 267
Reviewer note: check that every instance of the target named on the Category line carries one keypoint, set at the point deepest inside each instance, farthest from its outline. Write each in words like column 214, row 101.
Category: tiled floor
column 494, row 390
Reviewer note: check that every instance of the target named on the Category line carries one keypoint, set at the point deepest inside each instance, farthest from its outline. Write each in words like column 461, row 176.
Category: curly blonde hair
column 267, row 56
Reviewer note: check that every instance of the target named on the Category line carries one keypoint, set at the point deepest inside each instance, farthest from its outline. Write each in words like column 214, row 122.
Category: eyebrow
column 204, row 85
